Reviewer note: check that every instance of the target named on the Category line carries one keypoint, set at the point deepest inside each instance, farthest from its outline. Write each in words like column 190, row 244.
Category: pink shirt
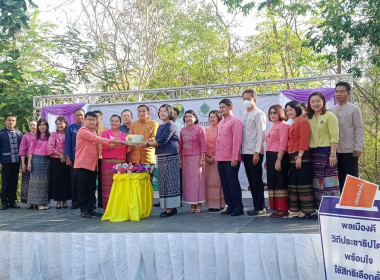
column 38, row 148
column 211, row 135
column 118, row 152
column 192, row 140
column 228, row 142
column 23, row 150
column 277, row 138
column 86, row 153
column 56, row 145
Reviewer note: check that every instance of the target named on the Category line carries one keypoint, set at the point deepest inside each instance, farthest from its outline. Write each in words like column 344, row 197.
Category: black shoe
column 94, row 213
column 257, row 212
column 227, row 212
column 74, row 205
column 213, row 210
column 100, row 205
column 158, row 204
column 171, row 213
column 85, row 215
column 237, row 213
column 4, row 207
column 14, row 206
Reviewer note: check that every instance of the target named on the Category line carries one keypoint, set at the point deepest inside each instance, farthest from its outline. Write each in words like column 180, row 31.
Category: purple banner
column 65, row 110
column 302, row 95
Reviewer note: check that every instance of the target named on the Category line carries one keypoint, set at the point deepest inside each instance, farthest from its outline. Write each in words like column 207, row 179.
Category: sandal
column 198, row 208
column 192, row 209
column 29, row 206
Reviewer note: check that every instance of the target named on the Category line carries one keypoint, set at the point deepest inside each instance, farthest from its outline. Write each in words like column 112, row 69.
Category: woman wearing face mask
column 60, row 187
column 27, row 138
column 112, row 155
column 192, row 148
column 38, row 166
column 301, row 194
column 323, row 143
column 277, row 162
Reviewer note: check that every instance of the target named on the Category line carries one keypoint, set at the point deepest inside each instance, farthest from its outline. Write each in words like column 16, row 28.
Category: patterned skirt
column 277, row 181
column 325, row 178
column 168, row 180
column 38, row 191
column 25, row 178
column 301, row 192
column 59, row 180
column 214, row 192
column 107, row 177
column 193, row 180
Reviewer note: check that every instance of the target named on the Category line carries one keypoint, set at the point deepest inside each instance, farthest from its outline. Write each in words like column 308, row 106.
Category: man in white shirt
column 351, row 133
column 254, row 125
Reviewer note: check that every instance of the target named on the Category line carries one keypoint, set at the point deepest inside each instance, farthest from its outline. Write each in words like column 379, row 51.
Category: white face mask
column 247, row 104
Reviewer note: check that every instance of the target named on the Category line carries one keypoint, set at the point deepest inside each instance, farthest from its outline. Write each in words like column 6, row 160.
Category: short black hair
column 127, row 110
column 147, row 108
column 115, row 116
column 169, row 109
column 251, row 92
column 61, row 119
column 10, row 115
column 344, row 84
column 90, row 114
column 192, row 113
column 296, row 106
column 98, row 112
column 79, row 109
column 226, row 102
column 177, row 111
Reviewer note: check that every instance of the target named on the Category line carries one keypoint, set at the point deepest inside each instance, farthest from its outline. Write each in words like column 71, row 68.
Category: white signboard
column 350, row 241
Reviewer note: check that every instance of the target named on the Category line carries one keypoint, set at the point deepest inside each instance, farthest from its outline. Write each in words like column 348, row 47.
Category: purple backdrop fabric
column 302, row 95
column 66, row 110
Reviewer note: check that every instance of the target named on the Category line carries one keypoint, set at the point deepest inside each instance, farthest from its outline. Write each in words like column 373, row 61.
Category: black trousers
column 231, row 185
column 255, row 179
column 9, row 180
column 74, row 189
column 100, row 192
column 347, row 164
column 86, row 183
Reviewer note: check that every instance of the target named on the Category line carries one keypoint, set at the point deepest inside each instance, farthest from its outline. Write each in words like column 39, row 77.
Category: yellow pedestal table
column 130, row 199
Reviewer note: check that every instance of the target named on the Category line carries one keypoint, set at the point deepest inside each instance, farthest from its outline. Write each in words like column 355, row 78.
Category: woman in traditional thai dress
column 24, row 153
column 38, row 166
column 166, row 143
column 214, row 192
column 59, row 177
column 277, row 162
column 111, row 155
column 300, row 189
column 192, row 149
column 323, row 143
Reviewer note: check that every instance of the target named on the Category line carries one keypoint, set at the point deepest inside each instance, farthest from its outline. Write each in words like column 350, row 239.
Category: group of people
column 305, row 159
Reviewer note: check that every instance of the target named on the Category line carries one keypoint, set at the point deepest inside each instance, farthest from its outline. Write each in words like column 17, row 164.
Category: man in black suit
column 10, row 139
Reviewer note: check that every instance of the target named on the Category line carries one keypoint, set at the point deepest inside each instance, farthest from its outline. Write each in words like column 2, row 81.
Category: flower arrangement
column 130, row 168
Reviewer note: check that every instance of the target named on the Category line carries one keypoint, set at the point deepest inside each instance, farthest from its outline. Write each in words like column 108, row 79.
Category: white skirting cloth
column 171, row 256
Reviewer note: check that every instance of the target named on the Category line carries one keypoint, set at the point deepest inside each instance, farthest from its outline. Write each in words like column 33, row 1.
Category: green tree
column 26, row 69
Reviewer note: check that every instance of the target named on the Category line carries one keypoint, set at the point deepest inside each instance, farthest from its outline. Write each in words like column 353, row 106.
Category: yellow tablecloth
column 130, row 199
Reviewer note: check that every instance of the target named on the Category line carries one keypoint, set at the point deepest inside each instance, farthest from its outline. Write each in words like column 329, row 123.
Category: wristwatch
column 300, row 155
column 147, row 144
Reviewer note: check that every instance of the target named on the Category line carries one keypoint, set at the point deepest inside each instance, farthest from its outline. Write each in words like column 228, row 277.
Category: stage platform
column 68, row 220
column 59, row 244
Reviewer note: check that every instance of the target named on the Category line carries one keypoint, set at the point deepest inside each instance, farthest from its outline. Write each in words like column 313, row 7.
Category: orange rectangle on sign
column 358, row 193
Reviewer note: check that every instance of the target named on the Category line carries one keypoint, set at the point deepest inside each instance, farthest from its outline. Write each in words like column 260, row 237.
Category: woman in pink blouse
column 111, row 155
column 214, row 193
column 38, row 166
column 192, row 149
column 59, row 177
column 24, row 153
column 277, row 162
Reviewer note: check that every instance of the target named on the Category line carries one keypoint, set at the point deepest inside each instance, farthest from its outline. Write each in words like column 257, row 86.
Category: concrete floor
column 67, row 220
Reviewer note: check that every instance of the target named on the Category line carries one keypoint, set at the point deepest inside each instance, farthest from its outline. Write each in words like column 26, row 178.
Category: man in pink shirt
column 228, row 143
column 86, row 163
